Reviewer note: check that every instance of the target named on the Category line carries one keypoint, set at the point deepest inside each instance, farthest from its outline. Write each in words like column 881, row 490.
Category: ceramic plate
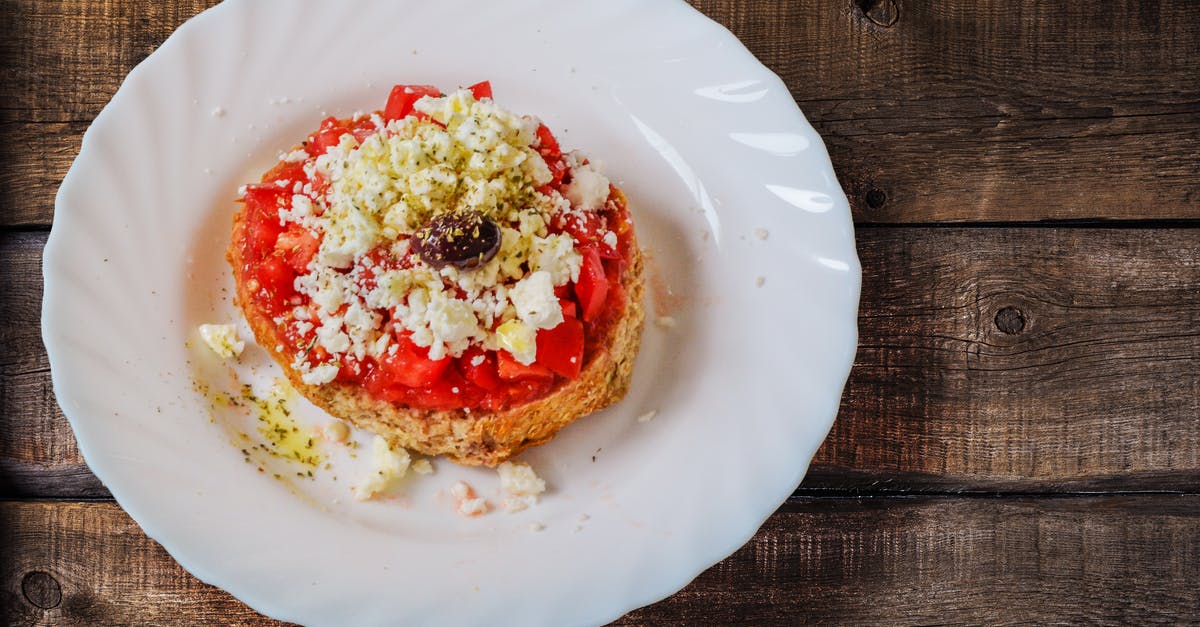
column 733, row 194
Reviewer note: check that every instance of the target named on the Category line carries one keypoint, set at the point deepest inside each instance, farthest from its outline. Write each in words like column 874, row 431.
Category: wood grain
column 1127, row 560
column 970, row 111
column 1095, row 385
column 992, row 110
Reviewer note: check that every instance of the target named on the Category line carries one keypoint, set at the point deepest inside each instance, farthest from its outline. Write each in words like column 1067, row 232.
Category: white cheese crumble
column 648, row 416
column 468, row 503
column 222, row 339
column 387, row 466
column 521, row 485
column 588, row 189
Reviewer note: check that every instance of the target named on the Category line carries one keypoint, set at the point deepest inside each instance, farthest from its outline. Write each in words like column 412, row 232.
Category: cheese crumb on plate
column 222, row 339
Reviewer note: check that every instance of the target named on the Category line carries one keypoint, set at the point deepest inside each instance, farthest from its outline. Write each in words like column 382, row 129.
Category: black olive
column 463, row 239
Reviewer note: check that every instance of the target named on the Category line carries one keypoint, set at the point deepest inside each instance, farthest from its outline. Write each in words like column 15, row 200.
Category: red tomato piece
column 297, row 245
column 561, row 349
column 479, row 367
column 400, row 101
column 262, row 217
column 547, row 144
column 411, row 366
column 481, row 90
column 569, row 309
column 277, row 277
column 290, row 171
column 352, row 370
column 592, row 286
column 512, row 370
column 326, row 137
column 587, row 228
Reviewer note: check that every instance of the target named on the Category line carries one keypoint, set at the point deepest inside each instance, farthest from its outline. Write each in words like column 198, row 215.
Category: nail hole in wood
column 875, row 198
column 41, row 589
column 1010, row 320
column 881, row 12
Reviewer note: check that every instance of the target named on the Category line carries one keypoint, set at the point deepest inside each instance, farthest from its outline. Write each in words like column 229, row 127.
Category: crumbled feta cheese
column 588, row 188
column 319, row 375
column 521, row 485
column 387, row 466
column 422, row 467
column 222, row 339
column 469, row 504
column 535, row 301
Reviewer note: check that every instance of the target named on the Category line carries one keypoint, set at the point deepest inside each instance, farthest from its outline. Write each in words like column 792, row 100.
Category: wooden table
column 1020, row 437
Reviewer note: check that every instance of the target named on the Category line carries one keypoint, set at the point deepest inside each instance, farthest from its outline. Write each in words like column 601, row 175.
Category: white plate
column 706, row 142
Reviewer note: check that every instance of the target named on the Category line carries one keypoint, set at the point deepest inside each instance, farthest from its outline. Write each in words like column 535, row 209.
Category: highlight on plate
column 442, row 274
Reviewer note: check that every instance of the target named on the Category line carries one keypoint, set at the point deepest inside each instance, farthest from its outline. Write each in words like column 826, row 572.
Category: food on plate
column 222, row 339
column 521, row 485
column 442, row 274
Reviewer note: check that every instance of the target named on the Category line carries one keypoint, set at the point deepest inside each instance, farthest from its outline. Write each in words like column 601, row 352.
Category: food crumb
column 469, row 504
column 584, row 517
column 536, row 527
column 337, row 431
column 218, row 112
column 648, row 416
column 762, row 234
column 760, row 281
column 422, row 467
column 521, row 484
column 665, row 322
column 222, row 339
column 387, row 466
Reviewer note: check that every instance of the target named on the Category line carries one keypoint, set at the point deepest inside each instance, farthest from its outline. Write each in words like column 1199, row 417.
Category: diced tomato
column 411, row 366
column 379, row 383
column 326, row 137
column 261, row 234
column 483, row 373
column 352, row 369
column 277, row 277
column 480, row 90
column 547, row 144
column 592, row 286
column 569, row 309
column 561, row 349
column 587, row 228
column 297, row 245
column 400, row 101
column 510, row 369
column 449, row 392
column 291, row 171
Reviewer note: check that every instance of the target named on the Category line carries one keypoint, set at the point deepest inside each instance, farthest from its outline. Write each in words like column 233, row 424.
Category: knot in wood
column 875, row 198
column 880, row 12
column 1010, row 320
column 41, row 589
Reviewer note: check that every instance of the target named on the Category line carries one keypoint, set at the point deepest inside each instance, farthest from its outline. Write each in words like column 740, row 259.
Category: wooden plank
column 992, row 109
column 1127, row 560
column 38, row 455
column 980, row 110
column 1043, row 360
